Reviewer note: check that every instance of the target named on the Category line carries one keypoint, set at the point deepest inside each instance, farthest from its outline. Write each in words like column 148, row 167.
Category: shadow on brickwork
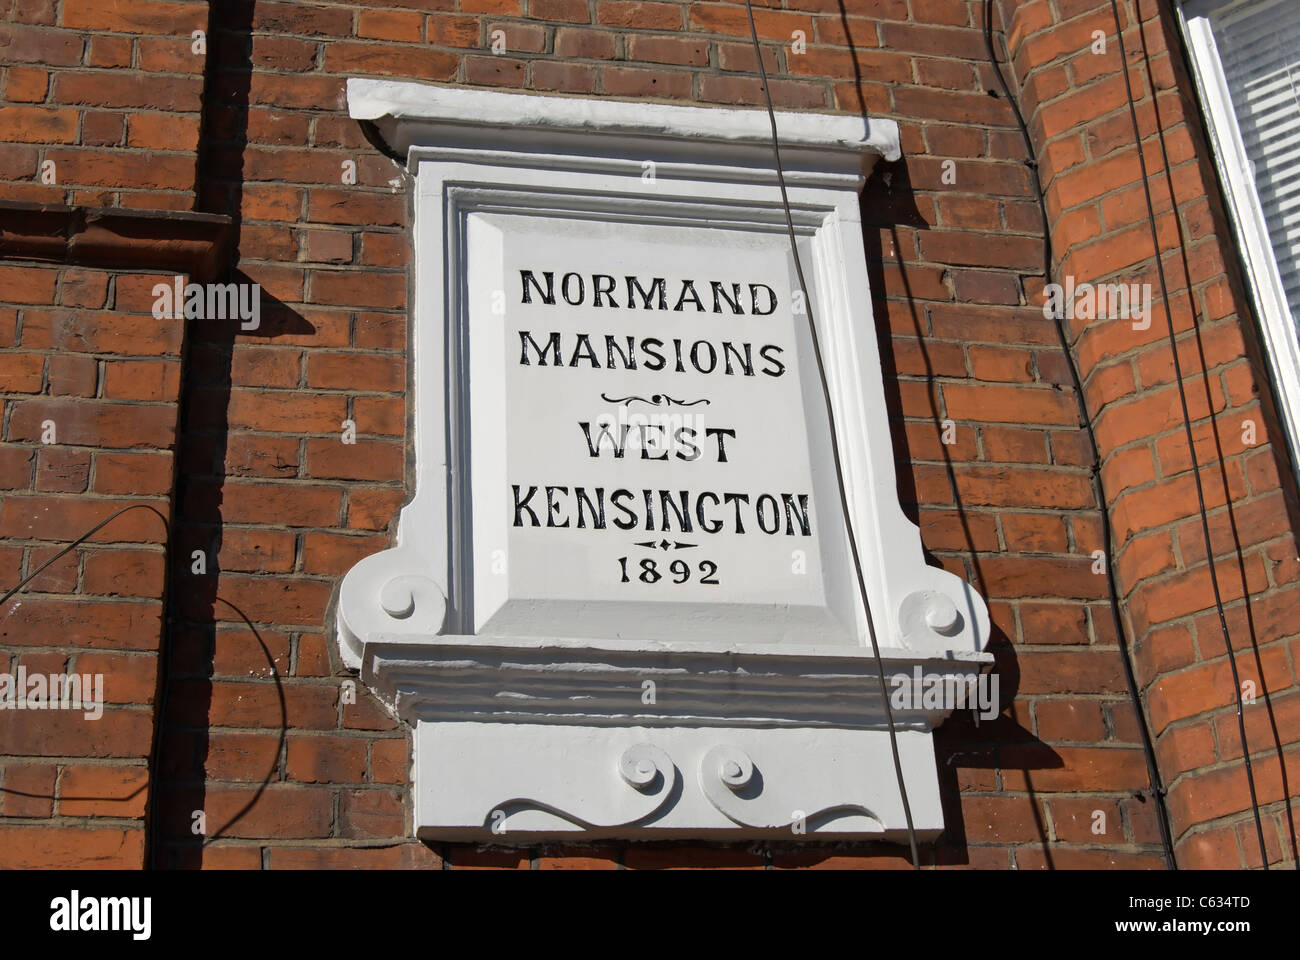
column 959, row 743
column 1001, row 743
column 202, row 456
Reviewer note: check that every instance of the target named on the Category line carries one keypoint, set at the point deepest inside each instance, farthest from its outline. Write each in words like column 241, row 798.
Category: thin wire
column 154, row 753
column 284, row 726
column 155, row 747
column 80, row 540
column 835, row 449
column 1099, row 488
column 1187, row 427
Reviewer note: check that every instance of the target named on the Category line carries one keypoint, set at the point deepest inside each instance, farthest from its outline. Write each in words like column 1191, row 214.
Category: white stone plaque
column 622, row 602
column 653, row 417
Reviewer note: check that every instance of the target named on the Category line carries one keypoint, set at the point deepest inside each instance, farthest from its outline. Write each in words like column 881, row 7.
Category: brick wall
column 258, row 733
column 89, row 386
column 101, row 102
column 1101, row 232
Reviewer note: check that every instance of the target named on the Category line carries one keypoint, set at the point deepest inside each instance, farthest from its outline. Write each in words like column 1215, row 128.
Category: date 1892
column 679, row 571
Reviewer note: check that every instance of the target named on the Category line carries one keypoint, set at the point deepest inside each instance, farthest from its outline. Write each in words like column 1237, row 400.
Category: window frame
column 1277, row 326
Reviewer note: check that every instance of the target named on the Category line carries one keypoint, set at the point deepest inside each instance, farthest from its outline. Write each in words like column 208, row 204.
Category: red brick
column 69, row 733
column 27, row 790
column 26, row 84
column 785, row 93
column 281, row 812
column 22, row 373
column 95, row 423
column 629, row 82
column 128, row 677
column 365, row 814
column 355, row 371
column 267, row 599
column 53, row 48
column 302, row 19
column 358, row 289
column 572, row 43
column 27, row 284
column 241, row 653
column 103, row 791
column 648, row 16
column 141, row 473
column 256, row 550
column 66, row 519
column 373, row 508
column 322, row 759
column 1010, row 404
column 124, row 573
column 1001, row 819
column 450, row 31
column 140, row 16
column 257, row 455
column 150, row 380
column 410, row 855
column 241, row 756
column 518, row 38
column 397, row 25
column 571, row 11
column 334, row 554
column 1077, row 721
column 286, row 411
column 732, row 21
column 682, row 51
column 390, row 760
column 84, row 332
column 48, row 847
column 292, row 505
column 495, row 71
column 123, row 625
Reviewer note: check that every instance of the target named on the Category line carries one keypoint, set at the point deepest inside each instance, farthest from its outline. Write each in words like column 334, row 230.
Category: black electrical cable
column 835, row 450
column 1099, row 490
column 155, row 749
column 284, row 727
column 1187, row 427
column 80, row 540
column 155, row 752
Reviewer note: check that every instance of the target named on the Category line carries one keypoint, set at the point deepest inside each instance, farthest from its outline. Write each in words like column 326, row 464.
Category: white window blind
column 1259, row 48
column 1245, row 56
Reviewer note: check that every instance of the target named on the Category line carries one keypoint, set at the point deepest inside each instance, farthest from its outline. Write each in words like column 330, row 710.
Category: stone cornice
column 571, row 681
column 414, row 115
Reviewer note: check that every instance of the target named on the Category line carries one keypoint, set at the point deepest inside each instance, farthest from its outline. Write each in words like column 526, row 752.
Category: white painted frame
column 494, row 715
column 1282, row 345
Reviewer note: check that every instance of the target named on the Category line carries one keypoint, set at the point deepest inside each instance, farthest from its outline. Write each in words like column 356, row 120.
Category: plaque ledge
column 420, row 104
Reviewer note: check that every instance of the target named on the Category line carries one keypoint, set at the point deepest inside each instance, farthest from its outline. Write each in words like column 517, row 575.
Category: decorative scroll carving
column 648, row 770
column 925, row 613
column 384, row 594
column 656, row 399
column 736, row 787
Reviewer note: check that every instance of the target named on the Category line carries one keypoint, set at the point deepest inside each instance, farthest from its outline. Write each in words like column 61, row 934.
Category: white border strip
column 1281, row 344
